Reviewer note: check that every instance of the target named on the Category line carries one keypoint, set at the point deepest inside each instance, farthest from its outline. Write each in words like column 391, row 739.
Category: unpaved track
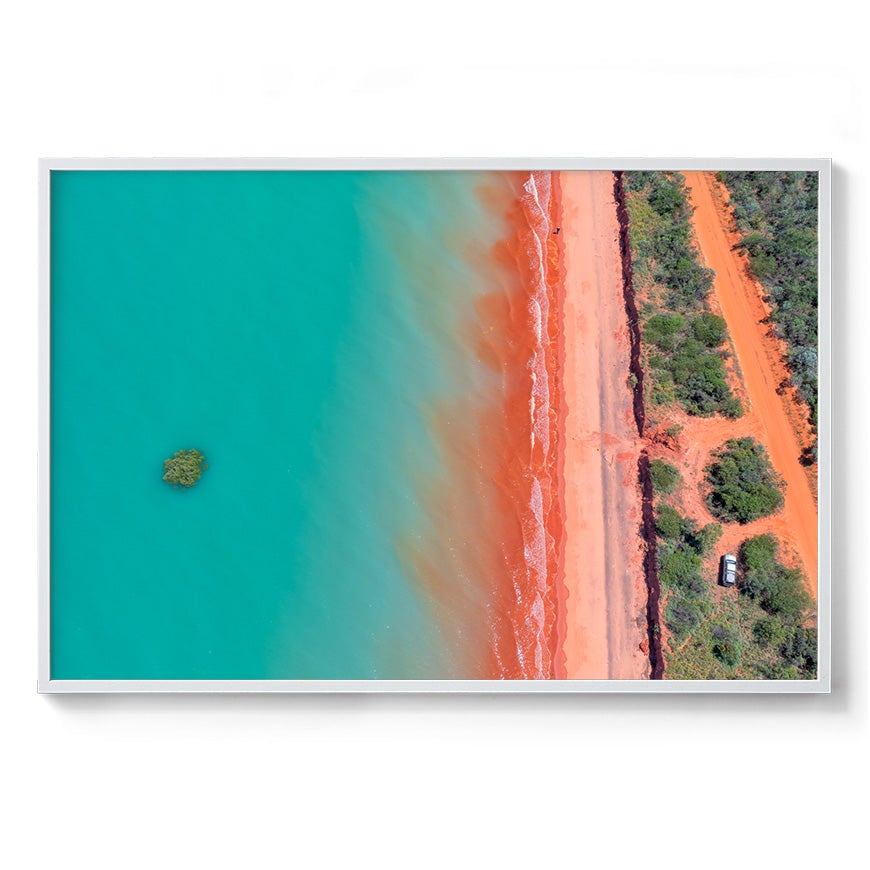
column 606, row 622
column 743, row 310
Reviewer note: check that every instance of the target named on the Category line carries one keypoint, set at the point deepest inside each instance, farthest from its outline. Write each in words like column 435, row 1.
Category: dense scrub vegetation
column 664, row 240
column 779, row 590
column 681, row 549
column 763, row 632
column 683, row 341
column 687, row 365
column 777, row 216
column 184, row 469
column 743, row 484
column 759, row 631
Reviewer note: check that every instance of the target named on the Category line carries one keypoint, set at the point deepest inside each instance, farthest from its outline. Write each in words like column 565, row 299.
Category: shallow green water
column 294, row 327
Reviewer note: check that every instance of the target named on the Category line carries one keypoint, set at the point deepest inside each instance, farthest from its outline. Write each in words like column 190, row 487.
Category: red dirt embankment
column 650, row 559
column 759, row 355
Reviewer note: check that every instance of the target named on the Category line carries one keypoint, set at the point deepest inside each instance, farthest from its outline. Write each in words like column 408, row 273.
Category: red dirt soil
column 772, row 417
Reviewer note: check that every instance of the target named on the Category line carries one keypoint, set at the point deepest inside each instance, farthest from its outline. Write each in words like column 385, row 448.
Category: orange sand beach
column 606, row 594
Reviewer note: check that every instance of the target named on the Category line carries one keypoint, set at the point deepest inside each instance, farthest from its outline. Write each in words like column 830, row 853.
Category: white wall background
column 410, row 782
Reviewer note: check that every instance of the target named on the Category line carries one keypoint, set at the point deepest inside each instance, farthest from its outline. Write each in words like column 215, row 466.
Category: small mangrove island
column 184, row 469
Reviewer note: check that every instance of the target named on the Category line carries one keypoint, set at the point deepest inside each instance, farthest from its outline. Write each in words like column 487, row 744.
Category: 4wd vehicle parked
column 728, row 570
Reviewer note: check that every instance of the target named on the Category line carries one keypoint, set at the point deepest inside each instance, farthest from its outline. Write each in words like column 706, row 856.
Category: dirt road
column 742, row 307
column 606, row 621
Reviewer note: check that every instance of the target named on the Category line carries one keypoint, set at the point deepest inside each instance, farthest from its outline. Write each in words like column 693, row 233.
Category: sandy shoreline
column 605, row 604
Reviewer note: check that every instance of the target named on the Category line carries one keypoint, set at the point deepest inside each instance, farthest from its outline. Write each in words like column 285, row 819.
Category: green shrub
column 779, row 590
column 769, row 632
column 184, row 469
column 682, row 617
column 731, row 407
column 787, row 596
column 726, row 646
column 743, row 484
column 668, row 522
column 759, row 553
column 709, row 329
column 810, row 454
column 779, row 670
column 664, row 476
column 800, row 649
column 696, row 371
column 700, row 378
column 689, row 533
column 667, row 198
column 662, row 330
column 681, row 570
column 675, row 568
column 707, row 538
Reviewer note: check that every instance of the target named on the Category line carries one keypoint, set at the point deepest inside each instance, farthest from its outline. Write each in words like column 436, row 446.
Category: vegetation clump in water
column 184, row 469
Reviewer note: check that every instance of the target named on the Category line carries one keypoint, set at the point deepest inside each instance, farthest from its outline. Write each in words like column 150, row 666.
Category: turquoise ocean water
column 297, row 328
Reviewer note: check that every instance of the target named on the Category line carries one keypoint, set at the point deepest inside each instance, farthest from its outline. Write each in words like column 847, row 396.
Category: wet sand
column 762, row 369
column 605, row 615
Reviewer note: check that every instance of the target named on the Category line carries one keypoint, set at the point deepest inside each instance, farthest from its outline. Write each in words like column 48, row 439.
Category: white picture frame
column 822, row 684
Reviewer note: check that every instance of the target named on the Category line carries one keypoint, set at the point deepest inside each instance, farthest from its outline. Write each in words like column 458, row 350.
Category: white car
column 728, row 569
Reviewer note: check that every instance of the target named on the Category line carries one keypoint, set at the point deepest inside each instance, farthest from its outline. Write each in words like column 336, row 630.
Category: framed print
column 454, row 425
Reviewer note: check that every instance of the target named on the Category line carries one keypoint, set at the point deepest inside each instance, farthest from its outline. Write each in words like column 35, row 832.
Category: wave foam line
column 533, row 614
